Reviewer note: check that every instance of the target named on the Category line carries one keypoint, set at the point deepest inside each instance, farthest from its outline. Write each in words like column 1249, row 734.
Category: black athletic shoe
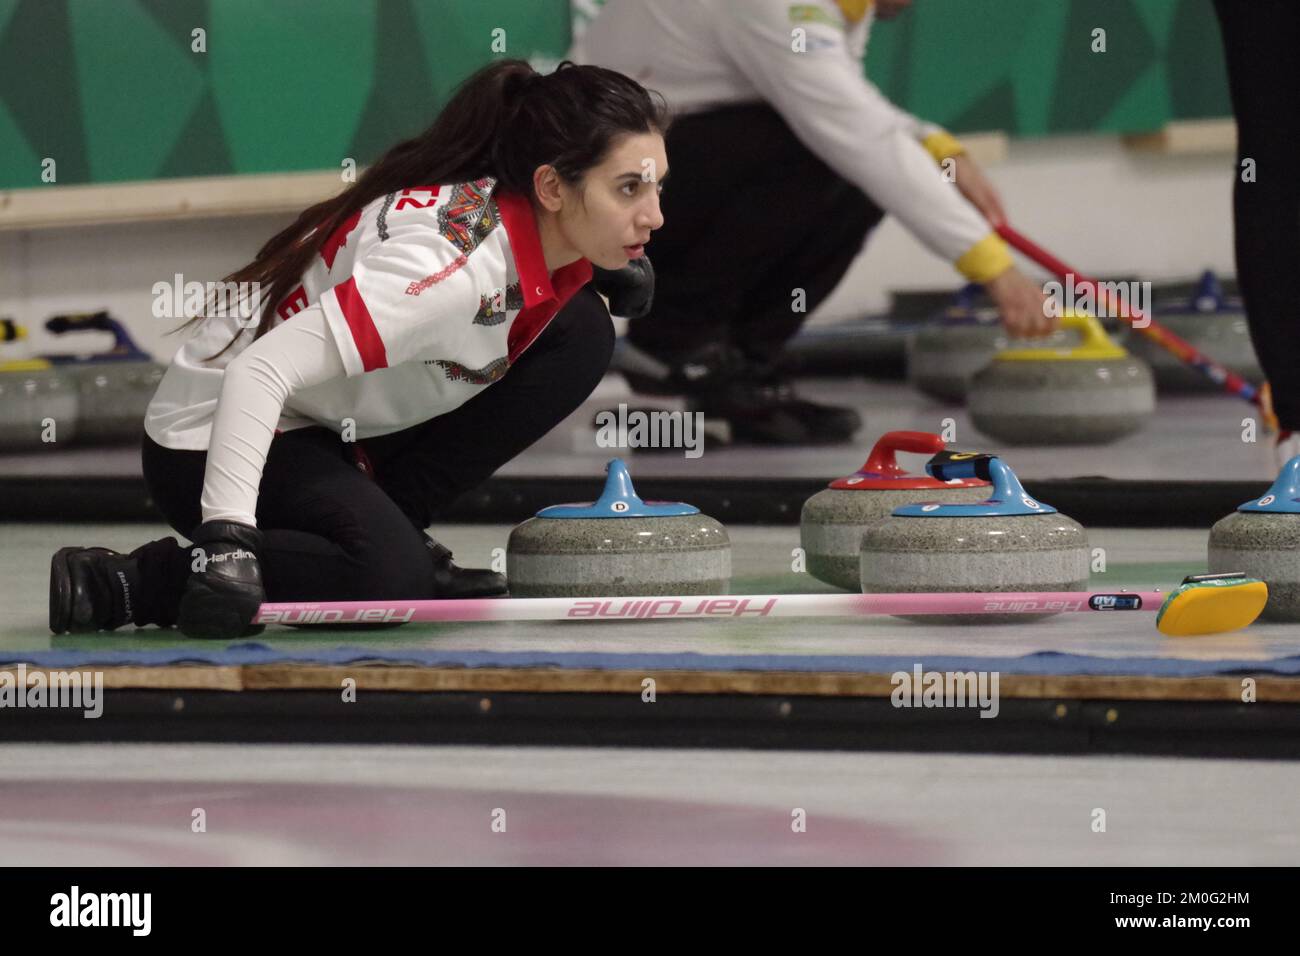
column 704, row 370
column 766, row 411
column 758, row 404
column 755, row 414
column 451, row 581
column 829, row 424
column 92, row 589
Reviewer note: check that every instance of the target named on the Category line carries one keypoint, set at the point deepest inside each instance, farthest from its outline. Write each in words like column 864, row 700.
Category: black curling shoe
column 768, row 412
column 451, row 581
column 92, row 589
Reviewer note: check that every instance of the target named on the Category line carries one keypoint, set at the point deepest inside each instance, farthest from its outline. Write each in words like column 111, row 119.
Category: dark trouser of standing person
column 751, row 216
column 1261, row 40
column 331, row 531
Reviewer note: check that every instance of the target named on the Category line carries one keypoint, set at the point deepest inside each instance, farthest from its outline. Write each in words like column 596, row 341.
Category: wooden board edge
column 405, row 679
column 48, row 207
column 1187, row 138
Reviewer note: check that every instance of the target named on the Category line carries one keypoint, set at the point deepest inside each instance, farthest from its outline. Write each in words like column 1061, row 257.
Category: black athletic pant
column 1261, row 40
column 333, row 533
column 750, row 215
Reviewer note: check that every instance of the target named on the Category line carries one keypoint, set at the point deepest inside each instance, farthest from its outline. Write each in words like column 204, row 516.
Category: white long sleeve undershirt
column 294, row 355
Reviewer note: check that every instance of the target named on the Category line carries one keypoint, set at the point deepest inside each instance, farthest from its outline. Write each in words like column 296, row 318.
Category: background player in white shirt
column 416, row 332
column 785, row 158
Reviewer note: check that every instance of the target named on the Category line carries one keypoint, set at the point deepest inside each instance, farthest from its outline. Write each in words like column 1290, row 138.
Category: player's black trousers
column 1261, row 40
column 334, row 533
column 750, row 216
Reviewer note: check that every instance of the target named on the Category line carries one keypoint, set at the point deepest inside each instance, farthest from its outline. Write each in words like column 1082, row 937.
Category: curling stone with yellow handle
column 38, row 406
column 115, row 386
column 1090, row 394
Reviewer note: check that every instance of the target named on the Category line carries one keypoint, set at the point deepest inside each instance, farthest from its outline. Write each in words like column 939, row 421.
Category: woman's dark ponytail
column 503, row 121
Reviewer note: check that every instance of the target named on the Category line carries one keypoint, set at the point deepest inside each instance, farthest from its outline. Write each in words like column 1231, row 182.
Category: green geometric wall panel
column 291, row 78
column 402, row 101
column 948, row 70
column 1198, row 76
column 38, row 87
column 1090, row 84
column 131, row 124
column 112, row 90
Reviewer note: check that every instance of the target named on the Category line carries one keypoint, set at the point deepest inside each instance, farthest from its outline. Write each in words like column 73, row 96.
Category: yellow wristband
column 986, row 260
column 854, row 10
column 943, row 145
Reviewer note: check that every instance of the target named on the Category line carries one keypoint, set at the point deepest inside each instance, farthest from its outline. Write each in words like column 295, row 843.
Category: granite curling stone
column 38, row 406
column 114, row 387
column 1211, row 323
column 944, row 356
column 618, row 545
column 833, row 520
column 1262, row 539
column 1090, row 394
column 1009, row 542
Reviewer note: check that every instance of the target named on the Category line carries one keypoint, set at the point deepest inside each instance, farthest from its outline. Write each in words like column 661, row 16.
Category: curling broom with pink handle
column 1210, row 605
column 669, row 607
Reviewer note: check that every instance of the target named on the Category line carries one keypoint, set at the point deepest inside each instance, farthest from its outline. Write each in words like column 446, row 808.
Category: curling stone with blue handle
column 618, row 545
column 1090, row 394
column 1262, row 539
column 1212, row 323
column 833, row 520
column 1008, row 542
column 115, row 386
